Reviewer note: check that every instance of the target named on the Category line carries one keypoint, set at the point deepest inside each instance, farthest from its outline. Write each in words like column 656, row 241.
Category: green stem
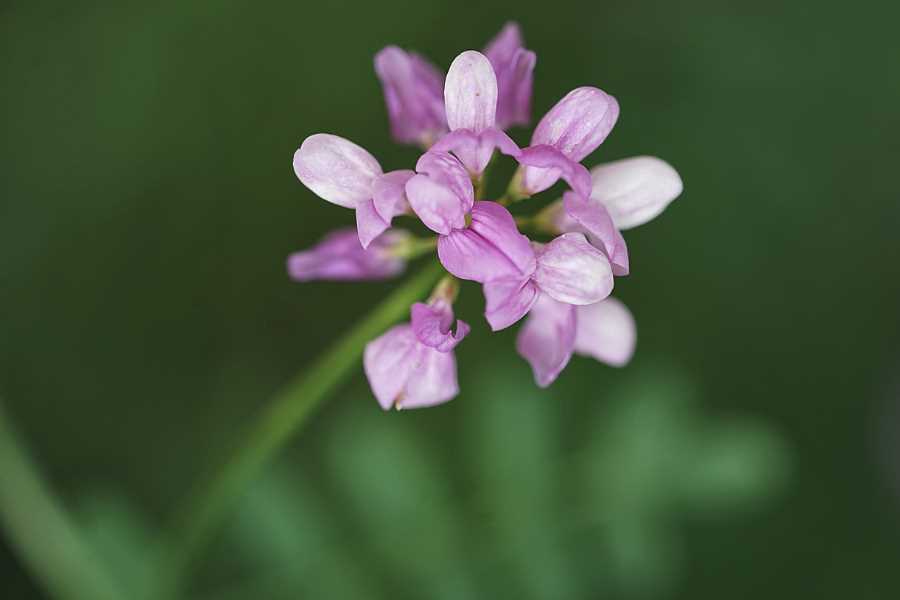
column 283, row 416
column 38, row 527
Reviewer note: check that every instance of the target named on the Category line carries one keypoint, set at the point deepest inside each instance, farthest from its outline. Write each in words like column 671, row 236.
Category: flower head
column 560, row 283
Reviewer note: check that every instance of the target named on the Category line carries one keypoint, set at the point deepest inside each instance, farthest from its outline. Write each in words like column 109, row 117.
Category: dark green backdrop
column 148, row 204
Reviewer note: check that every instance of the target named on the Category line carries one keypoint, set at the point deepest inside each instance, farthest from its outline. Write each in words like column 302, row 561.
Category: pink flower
column 567, row 270
column 571, row 130
column 340, row 257
column 342, row 173
column 413, row 92
column 413, row 88
column 412, row 365
column 489, row 248
column 554, row 330
column 635, row 190
column 478, row 240
column 625, row 193
column 514, row 66
column 470, row 98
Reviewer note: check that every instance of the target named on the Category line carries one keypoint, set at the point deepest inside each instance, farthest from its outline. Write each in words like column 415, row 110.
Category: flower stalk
column 192, row 528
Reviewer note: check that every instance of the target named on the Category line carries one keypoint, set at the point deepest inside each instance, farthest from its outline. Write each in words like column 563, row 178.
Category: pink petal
column 470, row 92
column 635, row 190
column 389, row 361
column 513, row 65
column 504, row 45
column 369, row 223
column 389, row 194
column 490, row 248
column 340, row 257
column 544, row 165
column 447, row 170
column 437, row 206
column 547, row 338
column 592, row 219
column 570, row 270
column 494, row 223
column 413, row 92
column 507, row 301
column 578, row 123
column 336, row 169
column 475, row 150
column 432, row 322
column 606, row 331
column 432, row 382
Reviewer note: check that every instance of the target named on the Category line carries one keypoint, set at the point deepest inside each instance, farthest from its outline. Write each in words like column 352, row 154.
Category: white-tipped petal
column 570, row 270
column 336, row 169
column 606, row 331
column 470, row 92
column 635, row 190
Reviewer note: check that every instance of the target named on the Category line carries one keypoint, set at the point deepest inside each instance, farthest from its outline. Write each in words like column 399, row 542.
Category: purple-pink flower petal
column 442, row 193
column 606, row 331
column 389, row 194
column 491, row 247
column 591, row 218
column 369, row 224
column 436, row 205
column 414, row 94
column 474, row 150
column 446, row 170
column 432, row 325
column 507, row 301
column 547, row 338
column 503, row 46
column 544, row 165
column 635, row 190
column 432, row 382
column 470, row 92
column 389, row 361
column 514, row 67
column 340, row 257
column 336, row 169
column 571, row 270
column 578, row 123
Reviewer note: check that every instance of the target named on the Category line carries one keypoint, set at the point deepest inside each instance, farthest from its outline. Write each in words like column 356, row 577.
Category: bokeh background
column 750, row 450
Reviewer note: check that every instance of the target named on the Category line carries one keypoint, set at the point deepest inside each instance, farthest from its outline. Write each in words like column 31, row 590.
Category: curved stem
column 194, row 525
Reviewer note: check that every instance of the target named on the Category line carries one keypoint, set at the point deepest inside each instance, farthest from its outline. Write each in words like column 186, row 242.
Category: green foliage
column 534, row 514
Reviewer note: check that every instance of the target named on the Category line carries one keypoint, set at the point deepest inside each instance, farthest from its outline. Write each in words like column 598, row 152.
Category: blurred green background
column 749, row 451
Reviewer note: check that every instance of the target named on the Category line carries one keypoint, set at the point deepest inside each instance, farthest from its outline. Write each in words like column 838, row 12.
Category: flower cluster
column 560, row 286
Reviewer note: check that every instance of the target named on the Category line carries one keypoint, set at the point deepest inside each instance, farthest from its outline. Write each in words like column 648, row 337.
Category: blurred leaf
column 516, row 454
column 646, row 558
column 289, row 537
column 407, row 512
column 123, row 539
column 643, row 435
column 736, row 466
